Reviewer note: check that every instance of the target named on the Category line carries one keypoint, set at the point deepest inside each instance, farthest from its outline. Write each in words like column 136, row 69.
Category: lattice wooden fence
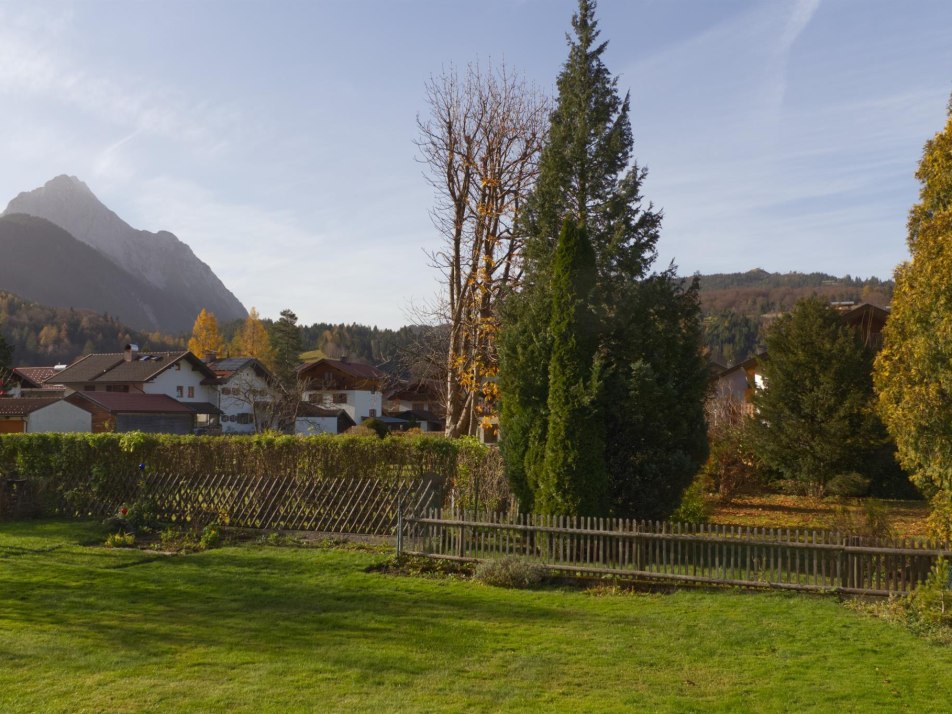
column 364, row 506
column 792, row 559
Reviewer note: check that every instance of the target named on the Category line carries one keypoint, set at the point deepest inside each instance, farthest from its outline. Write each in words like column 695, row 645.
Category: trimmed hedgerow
column 472, row 469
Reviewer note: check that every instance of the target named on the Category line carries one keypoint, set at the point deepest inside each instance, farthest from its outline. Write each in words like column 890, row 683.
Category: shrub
column 930, row 605
column 510, row 572
column 694, row 507
column 871, row 520
column 120, row 540
column 731, row 467
column 73, row 471
column 849, row 484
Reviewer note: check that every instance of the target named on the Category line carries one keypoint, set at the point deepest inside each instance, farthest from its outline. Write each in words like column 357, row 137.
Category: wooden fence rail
column 794, row 559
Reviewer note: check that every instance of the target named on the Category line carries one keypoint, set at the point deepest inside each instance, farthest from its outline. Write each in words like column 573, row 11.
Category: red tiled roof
column 36, row 375
column 133, row 402
column 21, row 407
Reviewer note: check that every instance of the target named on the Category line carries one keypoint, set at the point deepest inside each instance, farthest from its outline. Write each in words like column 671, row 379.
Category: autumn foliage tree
column 252, row 340
column 913, row 373
column 480, row 143
column 205, row 335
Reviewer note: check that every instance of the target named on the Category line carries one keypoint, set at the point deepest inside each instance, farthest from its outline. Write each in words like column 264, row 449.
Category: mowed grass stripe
column 255, row 628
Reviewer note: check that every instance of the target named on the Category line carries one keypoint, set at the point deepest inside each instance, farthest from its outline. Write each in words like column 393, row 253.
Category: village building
column 351, row 386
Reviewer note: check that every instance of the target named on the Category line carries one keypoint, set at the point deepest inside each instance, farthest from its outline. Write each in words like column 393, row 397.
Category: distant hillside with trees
column 41, row 335
column 736, row 306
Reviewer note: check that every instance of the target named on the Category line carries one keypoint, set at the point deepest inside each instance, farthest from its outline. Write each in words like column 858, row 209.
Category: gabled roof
column 126, row 402
column 225, row 369
column 34, row 377
column 353, row 369
column 422, row 390
column 113, row 367
column 21, row 407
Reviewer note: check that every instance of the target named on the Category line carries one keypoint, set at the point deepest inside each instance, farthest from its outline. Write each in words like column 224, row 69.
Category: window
column 117, row 387
column 245, row 418
column 340, row 398
column 191, row 392
column 373, row 412
column 179, row 391
column 178, row 366
column 225, row 391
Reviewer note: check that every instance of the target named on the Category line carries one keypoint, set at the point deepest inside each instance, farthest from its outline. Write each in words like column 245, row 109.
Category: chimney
column 131, row 352
column 210, row 356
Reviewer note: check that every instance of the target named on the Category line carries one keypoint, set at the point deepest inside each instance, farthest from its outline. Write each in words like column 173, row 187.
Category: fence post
column 399, row 525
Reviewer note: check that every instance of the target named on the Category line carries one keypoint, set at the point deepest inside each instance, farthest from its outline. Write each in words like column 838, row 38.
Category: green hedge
column 473, row 470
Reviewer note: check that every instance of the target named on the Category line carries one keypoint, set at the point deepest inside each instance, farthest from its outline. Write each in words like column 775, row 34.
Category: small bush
column 510, row 572
column 871, row 520
column 120, row 540
column 849, row 485
column 930, row 605
column 695, row 507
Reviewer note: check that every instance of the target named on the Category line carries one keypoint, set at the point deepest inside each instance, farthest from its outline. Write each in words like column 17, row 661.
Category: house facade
column 340, row 384
column 28, row 415
column 244, row 394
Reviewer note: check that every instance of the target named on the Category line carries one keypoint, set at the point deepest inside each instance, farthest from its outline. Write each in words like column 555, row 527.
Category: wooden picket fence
column 786, row 558
column 364, row 506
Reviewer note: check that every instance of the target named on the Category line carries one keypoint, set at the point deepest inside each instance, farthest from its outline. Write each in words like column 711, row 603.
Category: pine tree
column 252, row 340
column 587, row 172
column 286, row 341
column 913, row 373
column 573, row 478
column 205, row 336
column 815, row 416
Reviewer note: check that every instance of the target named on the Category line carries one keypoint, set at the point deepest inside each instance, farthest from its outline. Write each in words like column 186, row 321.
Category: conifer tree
column 587, row 172
column 573, row 478
column 913, row 373
column 205, row 335
column 815, row 417
column 286, row 340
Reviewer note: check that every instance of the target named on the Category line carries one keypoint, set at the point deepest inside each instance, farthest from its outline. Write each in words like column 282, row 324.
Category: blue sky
column 276, row 138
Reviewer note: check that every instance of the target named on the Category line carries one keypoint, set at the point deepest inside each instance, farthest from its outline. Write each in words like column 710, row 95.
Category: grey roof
column 113, row 367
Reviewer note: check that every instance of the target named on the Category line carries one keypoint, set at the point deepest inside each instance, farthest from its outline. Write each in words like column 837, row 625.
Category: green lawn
column 254, row 628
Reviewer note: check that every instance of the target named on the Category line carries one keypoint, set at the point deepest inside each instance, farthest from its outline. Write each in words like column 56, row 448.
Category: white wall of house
column 59, row 417
column 183, row 375
column 236, row 397
column 359, row 403
column 311, row 425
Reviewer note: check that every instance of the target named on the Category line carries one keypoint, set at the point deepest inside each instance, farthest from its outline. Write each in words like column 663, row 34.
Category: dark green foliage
column 816, row 418
column 573, row 478
column 647, row 329
column 731, row 337
column 376, row 426
column 286, row 343
column 655, row 385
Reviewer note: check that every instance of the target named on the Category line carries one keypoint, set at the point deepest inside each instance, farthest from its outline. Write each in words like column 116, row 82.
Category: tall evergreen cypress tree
column 587, row 172
column 573, row 477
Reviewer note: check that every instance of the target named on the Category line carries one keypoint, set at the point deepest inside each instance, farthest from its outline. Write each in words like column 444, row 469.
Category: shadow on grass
column 303, row 603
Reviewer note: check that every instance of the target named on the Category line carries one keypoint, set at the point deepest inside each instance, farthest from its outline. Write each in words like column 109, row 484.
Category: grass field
column 907, row 518
column 257, row 628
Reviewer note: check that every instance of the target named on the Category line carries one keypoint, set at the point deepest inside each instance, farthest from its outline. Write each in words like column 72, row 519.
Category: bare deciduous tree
column 480, row 142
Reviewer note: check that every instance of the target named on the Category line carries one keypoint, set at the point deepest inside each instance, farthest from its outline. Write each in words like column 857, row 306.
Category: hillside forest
column 735, row 309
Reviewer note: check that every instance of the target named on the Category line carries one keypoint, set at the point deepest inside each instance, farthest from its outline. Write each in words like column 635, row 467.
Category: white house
column 312, row 419
column 244, row 393
column 353, row 387
column 35, row 416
